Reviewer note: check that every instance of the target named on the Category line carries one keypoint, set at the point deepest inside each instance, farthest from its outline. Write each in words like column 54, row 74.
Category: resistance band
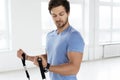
column 42, row 70
column 24, row 65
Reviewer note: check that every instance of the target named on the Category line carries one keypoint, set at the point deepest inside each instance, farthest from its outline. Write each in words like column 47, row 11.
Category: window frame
column 7, row 33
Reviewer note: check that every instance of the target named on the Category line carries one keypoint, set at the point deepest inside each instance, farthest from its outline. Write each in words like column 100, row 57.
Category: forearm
column 31, row 58
column 65, row 69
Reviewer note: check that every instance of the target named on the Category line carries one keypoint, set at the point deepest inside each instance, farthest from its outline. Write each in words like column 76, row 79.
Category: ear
column 68, row 13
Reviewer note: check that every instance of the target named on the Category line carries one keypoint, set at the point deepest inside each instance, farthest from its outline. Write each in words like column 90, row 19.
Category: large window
column 109, row 21
column 107, row 28
column 4, row 32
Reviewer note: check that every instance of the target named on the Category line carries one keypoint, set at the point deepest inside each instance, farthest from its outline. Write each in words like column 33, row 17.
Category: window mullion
column 111, row 27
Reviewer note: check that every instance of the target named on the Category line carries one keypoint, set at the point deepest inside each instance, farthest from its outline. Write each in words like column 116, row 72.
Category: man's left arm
column 70, row 68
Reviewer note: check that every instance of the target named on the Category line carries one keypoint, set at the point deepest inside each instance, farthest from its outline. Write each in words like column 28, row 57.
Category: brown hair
column 56, row 3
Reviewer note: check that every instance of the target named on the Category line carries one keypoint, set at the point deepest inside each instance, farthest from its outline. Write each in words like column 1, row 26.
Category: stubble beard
column 61, row 24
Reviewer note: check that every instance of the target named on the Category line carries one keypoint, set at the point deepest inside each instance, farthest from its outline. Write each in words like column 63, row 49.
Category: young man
column 64, row 49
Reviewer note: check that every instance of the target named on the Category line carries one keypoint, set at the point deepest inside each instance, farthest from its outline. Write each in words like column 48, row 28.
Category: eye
column 62, row 13
column 53, row 15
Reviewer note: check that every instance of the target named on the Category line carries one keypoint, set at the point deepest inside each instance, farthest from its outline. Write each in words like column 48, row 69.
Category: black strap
column 48, row 66
column 24, row 65
column 23, row 59
column 41, row 68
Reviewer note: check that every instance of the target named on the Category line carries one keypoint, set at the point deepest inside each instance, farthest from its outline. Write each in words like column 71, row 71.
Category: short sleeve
column 75, row 42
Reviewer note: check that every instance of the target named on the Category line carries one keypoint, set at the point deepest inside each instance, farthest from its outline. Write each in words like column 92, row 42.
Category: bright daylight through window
column 4, row 41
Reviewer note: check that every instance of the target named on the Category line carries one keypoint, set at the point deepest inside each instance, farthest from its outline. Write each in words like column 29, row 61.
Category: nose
column 57, row 18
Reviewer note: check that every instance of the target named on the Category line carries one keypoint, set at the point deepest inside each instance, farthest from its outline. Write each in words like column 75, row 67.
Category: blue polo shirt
column 57, row 47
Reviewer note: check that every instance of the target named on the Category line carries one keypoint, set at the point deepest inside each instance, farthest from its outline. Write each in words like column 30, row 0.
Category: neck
column 59, row 30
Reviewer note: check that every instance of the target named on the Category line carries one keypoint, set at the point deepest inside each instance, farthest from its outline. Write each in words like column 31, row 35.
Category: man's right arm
column 33, row 58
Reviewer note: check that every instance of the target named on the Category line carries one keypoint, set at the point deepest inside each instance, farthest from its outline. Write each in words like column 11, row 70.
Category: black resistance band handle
column 24, row 65
column 23, row 59
column 41, row 68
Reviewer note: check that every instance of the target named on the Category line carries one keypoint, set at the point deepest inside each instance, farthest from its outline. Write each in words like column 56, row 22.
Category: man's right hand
column 19, row 53
column 44, row 61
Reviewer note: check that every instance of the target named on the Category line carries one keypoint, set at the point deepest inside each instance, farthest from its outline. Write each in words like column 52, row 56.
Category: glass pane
column 116, row 36
column 105, row 0
column 104, row 36
column 3, row 28
column 105, row 17
column 76, row 17
column 46, row 19
column 44, row 39
column 2, row 15
column 117, row 1
column 116, row 17
column 3, row 43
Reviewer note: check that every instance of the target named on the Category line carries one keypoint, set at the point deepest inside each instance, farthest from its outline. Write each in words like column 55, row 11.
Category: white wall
column 25, row 28
column 26, row 24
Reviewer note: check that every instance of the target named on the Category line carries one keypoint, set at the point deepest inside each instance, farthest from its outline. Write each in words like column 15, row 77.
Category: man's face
column 59, row 16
